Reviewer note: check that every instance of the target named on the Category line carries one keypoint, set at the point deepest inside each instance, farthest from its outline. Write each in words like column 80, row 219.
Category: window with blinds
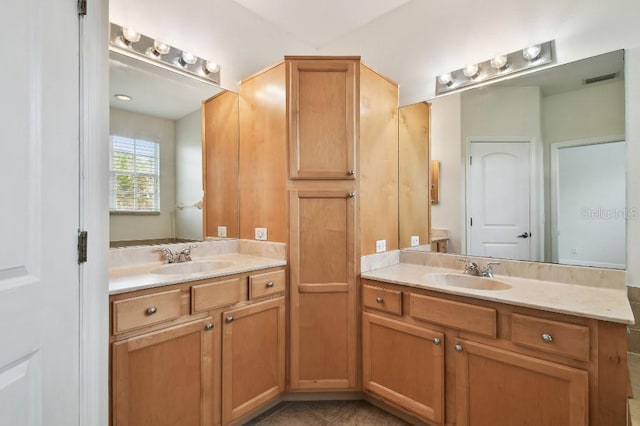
column 135, row 175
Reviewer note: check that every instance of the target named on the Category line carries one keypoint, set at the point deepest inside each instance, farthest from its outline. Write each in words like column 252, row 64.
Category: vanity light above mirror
column 501, row 65
column 128, row 42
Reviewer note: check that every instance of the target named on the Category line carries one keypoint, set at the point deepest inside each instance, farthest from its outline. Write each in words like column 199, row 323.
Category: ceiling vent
column 600, row 78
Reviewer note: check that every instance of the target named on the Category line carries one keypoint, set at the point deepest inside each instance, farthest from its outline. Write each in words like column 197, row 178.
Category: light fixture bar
column 496, row 67
column 158, row 53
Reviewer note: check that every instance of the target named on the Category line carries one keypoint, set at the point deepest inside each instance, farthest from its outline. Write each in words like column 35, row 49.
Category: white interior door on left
column 39, row 307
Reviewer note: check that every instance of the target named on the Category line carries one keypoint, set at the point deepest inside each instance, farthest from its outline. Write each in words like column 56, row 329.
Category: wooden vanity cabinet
column 503, row 365
column 165, row 377
column 203, row 353
column 253, row 357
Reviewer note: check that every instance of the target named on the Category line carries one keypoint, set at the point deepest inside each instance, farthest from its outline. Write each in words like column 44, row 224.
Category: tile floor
column 361, row 413
column 324, row 413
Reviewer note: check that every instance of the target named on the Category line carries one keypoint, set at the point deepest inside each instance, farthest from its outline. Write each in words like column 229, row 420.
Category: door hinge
column 82, row 246
column 82, row 7
column 470, row 160
column 470, row 221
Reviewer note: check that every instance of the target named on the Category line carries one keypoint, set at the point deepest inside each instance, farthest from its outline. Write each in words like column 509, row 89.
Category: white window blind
column 135, row 175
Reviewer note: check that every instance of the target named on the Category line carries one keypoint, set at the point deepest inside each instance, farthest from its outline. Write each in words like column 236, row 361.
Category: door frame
column 93, row 215
column 554, row 184
column 536, row 195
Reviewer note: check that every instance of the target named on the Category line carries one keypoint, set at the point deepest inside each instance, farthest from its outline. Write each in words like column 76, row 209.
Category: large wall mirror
column 534, row 167
column 162, row 118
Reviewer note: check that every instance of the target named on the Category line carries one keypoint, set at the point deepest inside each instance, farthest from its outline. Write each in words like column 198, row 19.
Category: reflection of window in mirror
column 435, row 181
column 135, row 176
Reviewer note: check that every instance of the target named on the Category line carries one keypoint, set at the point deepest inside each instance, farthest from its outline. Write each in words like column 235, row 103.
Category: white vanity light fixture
column 133, row 44
column 532, row 56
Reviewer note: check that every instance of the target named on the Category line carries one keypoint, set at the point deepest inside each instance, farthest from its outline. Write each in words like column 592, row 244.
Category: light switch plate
column 222, row 231
column 381, row 245
column 415, row 240
column 261, row 234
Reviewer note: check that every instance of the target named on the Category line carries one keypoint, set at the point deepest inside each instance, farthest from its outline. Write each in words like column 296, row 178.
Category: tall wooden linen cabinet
column 319, row 170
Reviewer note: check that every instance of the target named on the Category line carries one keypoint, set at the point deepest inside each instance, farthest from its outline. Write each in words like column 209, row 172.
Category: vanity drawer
column 265, row 284
column 557, row 337
column 382, row 299
column 458, row 315
column 205, row 297
column 141, row 311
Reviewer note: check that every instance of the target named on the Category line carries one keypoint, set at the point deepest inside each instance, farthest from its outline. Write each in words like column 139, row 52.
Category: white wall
column 189, row 175
column 445, row 147
column 632, row 125
column 143, row 227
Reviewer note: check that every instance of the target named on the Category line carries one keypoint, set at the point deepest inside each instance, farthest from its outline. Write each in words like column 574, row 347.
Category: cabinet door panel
column 322, row 119
column 323, row 304
column 165, row 377
column 405, row 365
column 253, row 350
column 495, row 387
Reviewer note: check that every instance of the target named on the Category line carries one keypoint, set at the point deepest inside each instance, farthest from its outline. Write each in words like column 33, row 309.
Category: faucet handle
column 469, row 267
column 168, row 254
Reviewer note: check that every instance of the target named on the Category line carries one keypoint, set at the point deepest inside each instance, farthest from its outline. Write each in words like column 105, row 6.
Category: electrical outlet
column 415, row 240
column 222, row 231
column 381, row 245
column 261, row 234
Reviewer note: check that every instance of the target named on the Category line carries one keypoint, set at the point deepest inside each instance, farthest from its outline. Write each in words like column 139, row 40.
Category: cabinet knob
column 379, row 299
column 229, row 319
column 208, row 326
column 270, row 284
column 458, row 347
column 351, row 194
column 547, row 338
column 436, row 341
column 152, row 310
column 351, row 172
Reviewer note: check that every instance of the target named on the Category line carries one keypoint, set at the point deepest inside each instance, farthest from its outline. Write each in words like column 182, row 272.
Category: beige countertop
column 140, row 276
column 608, row 304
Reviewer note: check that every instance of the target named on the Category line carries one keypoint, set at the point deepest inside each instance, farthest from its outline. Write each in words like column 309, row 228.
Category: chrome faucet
column 182, row 256
column 472, row 268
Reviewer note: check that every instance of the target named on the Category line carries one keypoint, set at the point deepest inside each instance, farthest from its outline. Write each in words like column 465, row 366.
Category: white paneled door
column 39, row 307
column 498, row 197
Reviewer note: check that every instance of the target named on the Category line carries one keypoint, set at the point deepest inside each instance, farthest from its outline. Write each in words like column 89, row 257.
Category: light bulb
column 188, row 57
column 499, row 62
column 471, row 70
column 445, row 79
column 531, row 53
column 211, row 67
column 130, row 35
column 161, row 47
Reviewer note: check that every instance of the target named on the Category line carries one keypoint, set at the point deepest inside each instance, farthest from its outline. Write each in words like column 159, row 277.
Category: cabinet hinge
column 82, row 7
column 82, row 246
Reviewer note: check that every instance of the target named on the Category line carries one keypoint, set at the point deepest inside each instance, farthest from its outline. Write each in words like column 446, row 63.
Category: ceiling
column 411, row 41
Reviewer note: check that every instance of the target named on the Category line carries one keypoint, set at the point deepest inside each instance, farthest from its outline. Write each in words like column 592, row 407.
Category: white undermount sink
column 467, row 281
column 195, row 267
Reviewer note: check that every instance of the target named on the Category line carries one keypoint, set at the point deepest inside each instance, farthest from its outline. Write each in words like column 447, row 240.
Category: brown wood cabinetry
column 503, row 365
column 323, row 301
column 404, row 364
column 197, row 353
column 165, row 377
column 253, row 357
column 498, row 387
column 220, row 164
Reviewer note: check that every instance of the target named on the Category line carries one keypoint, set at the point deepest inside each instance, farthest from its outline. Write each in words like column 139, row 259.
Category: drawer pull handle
column 270, row 284
column 458, row 347
column 152, row 310
column 379, row 299
column 547, row 338
column 208, row 326
column 229, row 319
column 436, row 341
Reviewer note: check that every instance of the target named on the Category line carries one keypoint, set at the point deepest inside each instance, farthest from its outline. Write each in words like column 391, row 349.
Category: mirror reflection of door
column 589, row 183
column 498, row 200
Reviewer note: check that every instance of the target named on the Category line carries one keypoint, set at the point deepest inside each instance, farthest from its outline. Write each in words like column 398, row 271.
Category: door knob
column 524, row 235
